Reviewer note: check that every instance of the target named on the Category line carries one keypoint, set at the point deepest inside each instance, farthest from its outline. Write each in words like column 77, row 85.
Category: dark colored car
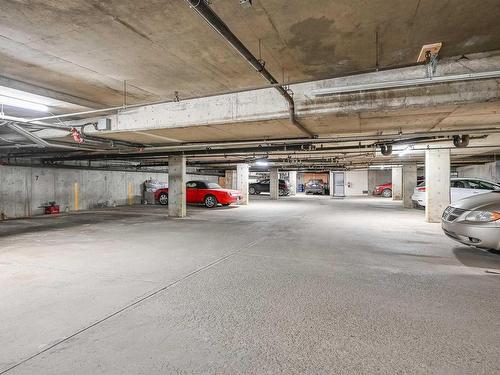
column 263, row 187
column 315, row 187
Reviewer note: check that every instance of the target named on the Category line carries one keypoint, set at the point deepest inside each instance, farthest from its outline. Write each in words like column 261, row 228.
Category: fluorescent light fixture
column 405, row 151
column 24, row 104
column 262, row 163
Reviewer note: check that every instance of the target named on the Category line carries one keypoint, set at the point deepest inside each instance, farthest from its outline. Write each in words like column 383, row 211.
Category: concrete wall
column 356, row 182
column 378, row 177
column 24, row 189
column 489, row 171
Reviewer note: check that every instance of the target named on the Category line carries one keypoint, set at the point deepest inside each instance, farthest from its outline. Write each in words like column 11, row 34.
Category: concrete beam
column 409, row 183
column 274, row 183
column 267, row 104
column 177, row 186
column 397, row 183
column 437, row 183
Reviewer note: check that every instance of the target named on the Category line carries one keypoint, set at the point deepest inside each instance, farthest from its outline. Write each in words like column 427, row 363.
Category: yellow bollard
column 75, row 196
column 130, row 194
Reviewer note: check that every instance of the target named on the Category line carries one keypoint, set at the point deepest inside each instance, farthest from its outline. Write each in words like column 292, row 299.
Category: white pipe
column 405, row 83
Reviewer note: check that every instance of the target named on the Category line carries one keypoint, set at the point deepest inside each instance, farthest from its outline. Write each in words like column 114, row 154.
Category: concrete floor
column 299, row 285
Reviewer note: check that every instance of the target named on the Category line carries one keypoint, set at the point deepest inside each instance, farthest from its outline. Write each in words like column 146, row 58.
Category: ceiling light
column 405, row 151
column 262, row 163
column 24, row 104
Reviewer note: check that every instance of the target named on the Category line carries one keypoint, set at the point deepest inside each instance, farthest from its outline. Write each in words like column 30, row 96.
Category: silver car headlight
column 482, row 216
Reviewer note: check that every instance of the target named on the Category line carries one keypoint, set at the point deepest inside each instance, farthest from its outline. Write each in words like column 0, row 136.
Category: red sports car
column 384, row 190
column 208, row 193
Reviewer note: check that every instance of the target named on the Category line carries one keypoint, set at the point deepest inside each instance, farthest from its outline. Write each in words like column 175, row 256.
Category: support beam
column 242, row 181
column 274, row 183
column 292, row 177
column 437, row 183
column 177, row 186
column 409, row 183
column 397, row 183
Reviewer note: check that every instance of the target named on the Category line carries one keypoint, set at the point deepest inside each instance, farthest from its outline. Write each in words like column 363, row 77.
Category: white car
column 460, row 188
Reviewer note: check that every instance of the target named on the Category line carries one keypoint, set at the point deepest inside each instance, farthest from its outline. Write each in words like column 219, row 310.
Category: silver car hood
column 486, row 202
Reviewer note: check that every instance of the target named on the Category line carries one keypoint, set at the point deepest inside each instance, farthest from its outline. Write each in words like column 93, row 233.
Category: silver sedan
column 474, row 221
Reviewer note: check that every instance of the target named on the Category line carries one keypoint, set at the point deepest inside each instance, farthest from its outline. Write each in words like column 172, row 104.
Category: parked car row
column 473, row 217
column 316, row 186
column 460, row 188
column 263, row 186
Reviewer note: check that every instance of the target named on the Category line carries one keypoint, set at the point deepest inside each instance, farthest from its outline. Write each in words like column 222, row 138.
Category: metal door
column 338, row 184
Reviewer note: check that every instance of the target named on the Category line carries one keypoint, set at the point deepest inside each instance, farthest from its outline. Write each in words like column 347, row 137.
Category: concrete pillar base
column 292, row 177
column 274, row 183
column 397, row 183
column 437, row 184
column 177, row 186
column 242, row 181
column 409, row 183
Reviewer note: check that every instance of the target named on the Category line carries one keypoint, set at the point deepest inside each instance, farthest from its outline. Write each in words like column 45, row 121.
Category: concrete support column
column 397, row 183
column 409, row 183
column 177, row 186
column 331, row 183
column 242, row 181
column 274, row 183
column 437, row 184
column 292, row 176
column 230, row 178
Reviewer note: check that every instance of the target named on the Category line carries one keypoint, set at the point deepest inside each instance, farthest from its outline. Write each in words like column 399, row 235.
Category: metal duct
column 204, row 10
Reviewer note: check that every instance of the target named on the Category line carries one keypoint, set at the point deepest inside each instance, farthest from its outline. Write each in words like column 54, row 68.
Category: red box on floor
column 53, row 209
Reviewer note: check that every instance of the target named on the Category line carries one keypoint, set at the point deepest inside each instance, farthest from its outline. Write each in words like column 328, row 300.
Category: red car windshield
column 213, row 185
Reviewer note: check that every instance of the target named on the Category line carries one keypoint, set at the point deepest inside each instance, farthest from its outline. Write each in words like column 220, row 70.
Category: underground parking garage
column 249, row 186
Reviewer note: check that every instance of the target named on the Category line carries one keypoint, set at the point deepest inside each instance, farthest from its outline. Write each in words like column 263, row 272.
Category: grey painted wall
column 488, row 171
column 378, row 177
column 24, row 189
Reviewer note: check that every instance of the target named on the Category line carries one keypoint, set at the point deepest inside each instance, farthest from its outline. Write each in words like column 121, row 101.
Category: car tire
column 281, row 192
column 386, row 193
column 252, row 190
column 210, row 201
column 163, row 199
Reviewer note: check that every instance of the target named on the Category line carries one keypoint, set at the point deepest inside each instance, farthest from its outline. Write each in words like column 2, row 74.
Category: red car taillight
column 421, row 188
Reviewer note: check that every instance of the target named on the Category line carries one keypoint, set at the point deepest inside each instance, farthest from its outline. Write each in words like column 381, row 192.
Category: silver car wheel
column 163, row 199
column 210, row 201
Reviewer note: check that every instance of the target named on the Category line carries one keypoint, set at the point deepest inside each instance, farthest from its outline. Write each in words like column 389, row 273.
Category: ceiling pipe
column 391, row 138
column 203, row 9
column 26, row 134
column 406, row 83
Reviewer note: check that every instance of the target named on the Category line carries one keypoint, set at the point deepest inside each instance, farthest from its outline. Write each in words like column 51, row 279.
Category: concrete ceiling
column 87, row 48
